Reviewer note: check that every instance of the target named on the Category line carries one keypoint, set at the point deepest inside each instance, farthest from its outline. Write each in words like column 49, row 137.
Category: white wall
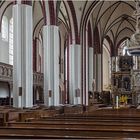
column 106, row 69
column 4, row 45
column 4, row 51
column 90, row 70
column 4, row 92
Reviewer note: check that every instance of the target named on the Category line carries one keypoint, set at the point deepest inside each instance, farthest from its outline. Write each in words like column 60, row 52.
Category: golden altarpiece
column 121, row 79
column 126, row 80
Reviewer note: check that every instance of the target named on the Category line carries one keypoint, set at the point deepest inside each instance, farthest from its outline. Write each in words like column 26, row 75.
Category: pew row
column 83, row 132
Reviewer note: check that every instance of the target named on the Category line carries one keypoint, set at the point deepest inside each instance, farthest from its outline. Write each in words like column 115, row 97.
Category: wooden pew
column 23, row 116
column 74, row 109
column 113, row 118
column 106, row 113
column 14, row 114
column 83, row 127
column 111, row 124
column 3, row 118
column 75, row 132
column 73, row 124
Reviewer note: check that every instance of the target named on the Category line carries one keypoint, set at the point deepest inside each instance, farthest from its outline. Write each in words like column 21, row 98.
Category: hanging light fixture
column 134, row 43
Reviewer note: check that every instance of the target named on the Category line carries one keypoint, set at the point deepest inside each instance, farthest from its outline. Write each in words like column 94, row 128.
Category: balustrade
column 6, row 74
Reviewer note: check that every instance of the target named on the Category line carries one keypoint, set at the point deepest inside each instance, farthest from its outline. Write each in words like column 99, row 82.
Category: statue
column 137, row 6
column 93, row 85
column 134, row 43
column 135, row 38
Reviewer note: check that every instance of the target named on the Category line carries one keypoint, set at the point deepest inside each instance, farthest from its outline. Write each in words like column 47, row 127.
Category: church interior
column 70, row 69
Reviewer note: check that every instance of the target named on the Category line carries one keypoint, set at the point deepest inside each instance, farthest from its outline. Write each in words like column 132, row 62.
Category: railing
column 6, row 74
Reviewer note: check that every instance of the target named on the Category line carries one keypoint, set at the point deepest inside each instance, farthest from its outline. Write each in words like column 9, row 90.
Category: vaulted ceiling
column 114, row 19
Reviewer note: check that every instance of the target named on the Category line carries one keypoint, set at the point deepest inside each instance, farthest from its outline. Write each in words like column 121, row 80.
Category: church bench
column 113, row 111
column 3, row 118
column 120, row 118
column 113, row 132
column 33, row 114
column 86, row 121
column 78, row 126
column 75, row 109
column 13, row 115
column 111, row 114
column 10, row 114
column 27, row 114
column 73, row 124
column 20, row 136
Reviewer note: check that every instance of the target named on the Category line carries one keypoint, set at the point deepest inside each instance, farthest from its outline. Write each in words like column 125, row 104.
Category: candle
column 117, row 102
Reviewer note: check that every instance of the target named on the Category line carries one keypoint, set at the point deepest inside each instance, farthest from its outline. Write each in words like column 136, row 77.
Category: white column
column 87, row 68
column 99, row 73
column 75, row 74
column 113, row 64
column 51, row 65
column 0, row 41
column 117, row 67
column 135, row 62
column 95, row 72
column 0, row 37
column 138, row 61
column 117, row 102
column 22, row 67
column 90, row 70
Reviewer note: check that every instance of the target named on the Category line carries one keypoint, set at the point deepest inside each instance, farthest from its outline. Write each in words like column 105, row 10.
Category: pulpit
column 136, row 86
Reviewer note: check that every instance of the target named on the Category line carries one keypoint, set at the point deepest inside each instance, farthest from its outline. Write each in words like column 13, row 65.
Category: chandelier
column 134, row 43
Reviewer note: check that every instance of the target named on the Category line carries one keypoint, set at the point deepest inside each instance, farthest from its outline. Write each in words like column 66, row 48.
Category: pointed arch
column 73, row 22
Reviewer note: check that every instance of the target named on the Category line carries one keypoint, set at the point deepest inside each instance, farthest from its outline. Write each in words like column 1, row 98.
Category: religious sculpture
column 93, row 85
column 134, row 43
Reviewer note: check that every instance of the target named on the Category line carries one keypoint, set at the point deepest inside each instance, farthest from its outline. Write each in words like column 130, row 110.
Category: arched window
column 11, row 42
column 4, row 28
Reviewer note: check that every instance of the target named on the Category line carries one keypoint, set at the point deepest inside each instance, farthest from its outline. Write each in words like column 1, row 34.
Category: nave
column 69, row 69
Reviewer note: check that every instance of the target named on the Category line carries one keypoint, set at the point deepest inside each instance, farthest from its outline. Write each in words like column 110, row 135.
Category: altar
column 126, row 81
